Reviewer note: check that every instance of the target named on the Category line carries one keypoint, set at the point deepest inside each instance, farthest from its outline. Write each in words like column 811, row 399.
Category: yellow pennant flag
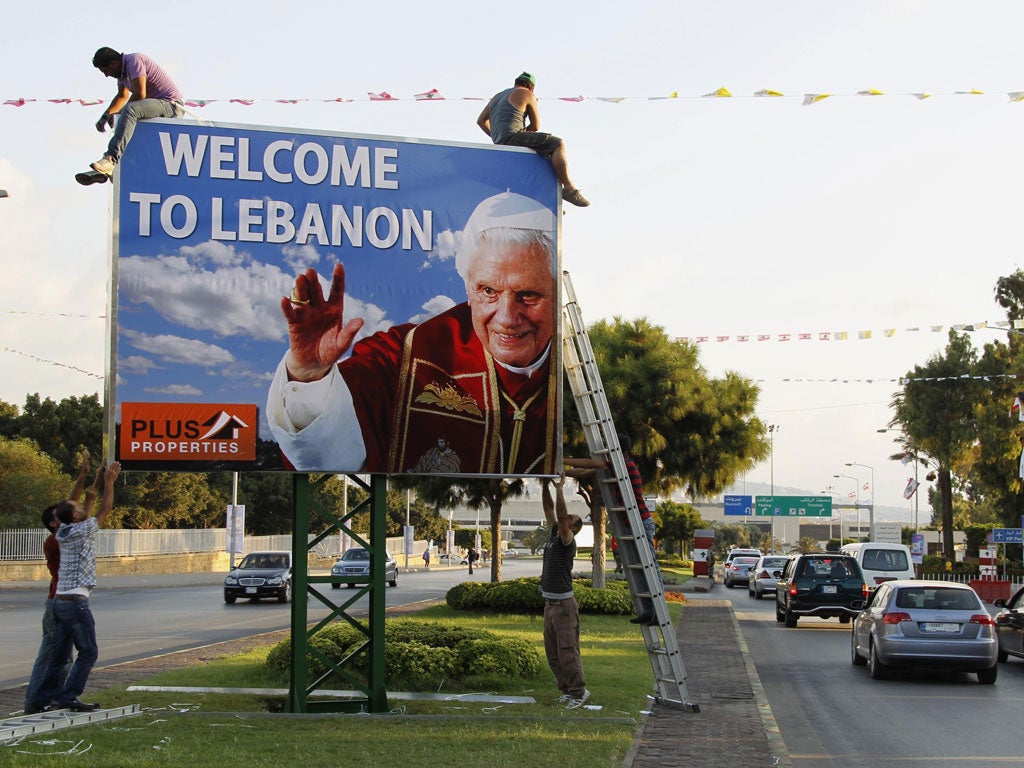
column 921, row 96
column 1016, row 95
column 814, row 98
column 767, row 92
column 721, row 93
column 870, row 92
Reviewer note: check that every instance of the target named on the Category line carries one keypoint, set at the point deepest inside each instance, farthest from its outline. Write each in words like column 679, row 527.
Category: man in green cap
column 511, row 117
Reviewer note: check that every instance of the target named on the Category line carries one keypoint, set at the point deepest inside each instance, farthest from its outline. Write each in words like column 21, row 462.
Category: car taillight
column 792, row 589
column 983, row 619
column 865, row 591
column 734, row 567
column 763, row 575
column 895, row 618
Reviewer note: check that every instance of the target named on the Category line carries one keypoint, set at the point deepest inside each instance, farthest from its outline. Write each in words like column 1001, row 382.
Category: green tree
column 936, row 411
column 168, row 500
column 62, row 429
column 688, row 430
column 29, row 482
column 677, row 522
column 805, row 544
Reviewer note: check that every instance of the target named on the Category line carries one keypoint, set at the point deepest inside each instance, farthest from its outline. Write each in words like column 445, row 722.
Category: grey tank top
column 505, row 119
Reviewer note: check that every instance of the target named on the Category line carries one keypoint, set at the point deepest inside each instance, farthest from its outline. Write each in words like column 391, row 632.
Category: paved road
column 142, row 616
column 831, row 713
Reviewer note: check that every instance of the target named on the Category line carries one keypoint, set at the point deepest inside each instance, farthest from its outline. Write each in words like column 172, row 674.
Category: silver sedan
column 925, row 624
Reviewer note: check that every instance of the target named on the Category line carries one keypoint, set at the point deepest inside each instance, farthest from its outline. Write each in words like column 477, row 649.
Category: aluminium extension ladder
column 638, row 563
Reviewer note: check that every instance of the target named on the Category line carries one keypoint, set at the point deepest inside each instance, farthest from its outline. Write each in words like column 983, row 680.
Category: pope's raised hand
column 317, row 334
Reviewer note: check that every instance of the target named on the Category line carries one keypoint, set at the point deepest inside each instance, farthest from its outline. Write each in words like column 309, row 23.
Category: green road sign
column 793, row 506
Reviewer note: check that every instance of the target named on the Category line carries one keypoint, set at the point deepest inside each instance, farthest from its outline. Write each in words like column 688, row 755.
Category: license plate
column 250, row 590
column 940, row 626
column 830, row 589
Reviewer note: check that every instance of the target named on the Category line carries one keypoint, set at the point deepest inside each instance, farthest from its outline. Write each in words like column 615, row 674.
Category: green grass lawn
column 218, row 730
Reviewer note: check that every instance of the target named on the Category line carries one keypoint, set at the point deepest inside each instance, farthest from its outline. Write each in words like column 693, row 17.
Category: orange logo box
column 188, row 432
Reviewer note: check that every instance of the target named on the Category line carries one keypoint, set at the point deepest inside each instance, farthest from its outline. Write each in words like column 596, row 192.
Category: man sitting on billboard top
column 144, row 90
column 511, row 117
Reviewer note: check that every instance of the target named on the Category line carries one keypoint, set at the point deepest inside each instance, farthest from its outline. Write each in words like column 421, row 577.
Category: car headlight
column 230, row 581
column 274, row 581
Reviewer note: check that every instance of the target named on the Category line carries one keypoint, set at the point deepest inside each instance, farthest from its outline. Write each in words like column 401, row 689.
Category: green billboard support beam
column 367, row 654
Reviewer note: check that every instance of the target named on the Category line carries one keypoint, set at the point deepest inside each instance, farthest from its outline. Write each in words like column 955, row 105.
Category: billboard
column 793, row 506
column 294, row 300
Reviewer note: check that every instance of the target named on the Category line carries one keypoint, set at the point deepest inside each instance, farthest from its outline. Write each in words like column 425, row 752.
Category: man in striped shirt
column 75, row 581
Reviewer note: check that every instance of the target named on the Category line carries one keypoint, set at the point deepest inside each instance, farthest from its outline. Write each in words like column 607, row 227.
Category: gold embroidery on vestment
column 449, row 398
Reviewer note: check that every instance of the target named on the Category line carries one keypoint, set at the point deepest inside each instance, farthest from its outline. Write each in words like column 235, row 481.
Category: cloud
column 136, row 364
column 300, row 257
column 175, row 389
column 446, row 245
column 434, row 306
column 179, row 351
column 213, row 252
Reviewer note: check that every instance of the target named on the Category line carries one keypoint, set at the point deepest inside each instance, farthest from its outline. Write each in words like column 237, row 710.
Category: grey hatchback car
column 911, row 623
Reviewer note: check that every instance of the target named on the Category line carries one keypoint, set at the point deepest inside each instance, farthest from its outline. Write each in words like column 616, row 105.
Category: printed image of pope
column 481, row 376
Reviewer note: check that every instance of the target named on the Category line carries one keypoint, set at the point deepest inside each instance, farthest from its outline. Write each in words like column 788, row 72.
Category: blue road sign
column 1007, row 536
column 739, row 505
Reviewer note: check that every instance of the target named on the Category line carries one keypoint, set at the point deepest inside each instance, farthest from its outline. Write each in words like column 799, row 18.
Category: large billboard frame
column 166, row 223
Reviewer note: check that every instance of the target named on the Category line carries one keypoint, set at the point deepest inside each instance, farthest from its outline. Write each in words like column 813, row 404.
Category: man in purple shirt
column 144, row 90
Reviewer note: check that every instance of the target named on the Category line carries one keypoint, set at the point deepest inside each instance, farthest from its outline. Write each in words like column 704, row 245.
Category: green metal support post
column 371, row 685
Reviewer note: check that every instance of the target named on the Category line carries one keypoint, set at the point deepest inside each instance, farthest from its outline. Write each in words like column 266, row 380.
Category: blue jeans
column 649, row 530
column 42, row 689
column 134, row 111
column 75, row 626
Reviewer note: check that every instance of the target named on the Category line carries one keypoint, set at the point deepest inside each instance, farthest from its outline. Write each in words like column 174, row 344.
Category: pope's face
column 511, row 291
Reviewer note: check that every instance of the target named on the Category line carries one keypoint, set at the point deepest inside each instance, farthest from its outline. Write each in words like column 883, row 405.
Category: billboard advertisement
column 326, row 302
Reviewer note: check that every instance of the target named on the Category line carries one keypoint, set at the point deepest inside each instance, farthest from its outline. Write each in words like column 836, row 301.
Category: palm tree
column 805, row 544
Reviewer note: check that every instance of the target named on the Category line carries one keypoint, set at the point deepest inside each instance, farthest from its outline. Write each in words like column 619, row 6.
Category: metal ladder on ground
column 638, row 562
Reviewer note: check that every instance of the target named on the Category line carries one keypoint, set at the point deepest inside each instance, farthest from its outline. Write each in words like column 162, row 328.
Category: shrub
column 523, row 596
column 419, row 655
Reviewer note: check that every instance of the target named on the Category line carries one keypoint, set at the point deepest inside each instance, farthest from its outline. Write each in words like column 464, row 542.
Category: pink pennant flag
column 382, row 96
column 14, row 103
column 432, row 95
column 339, row 98
column 90, row 102
column 570, row 98
column 59, row 101
column 244, row 102
column 199, row 102
column 288, row 101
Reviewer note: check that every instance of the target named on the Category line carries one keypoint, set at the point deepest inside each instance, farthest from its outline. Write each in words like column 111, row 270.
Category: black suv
column 822, row 585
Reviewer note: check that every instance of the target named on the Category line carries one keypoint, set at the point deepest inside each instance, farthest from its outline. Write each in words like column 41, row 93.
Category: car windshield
column 831, row 567
column 356, row 554
column 937, row 599
column 264, row 560
column 774, row 562
column 745, row 561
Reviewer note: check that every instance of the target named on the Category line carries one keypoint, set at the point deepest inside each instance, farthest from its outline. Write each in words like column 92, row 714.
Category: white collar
column 532, row 368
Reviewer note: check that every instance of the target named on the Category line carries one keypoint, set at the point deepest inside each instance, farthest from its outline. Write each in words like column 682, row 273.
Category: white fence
column 27, row 544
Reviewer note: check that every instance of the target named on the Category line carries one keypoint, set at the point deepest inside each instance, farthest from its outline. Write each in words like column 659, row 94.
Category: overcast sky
column 714, row 218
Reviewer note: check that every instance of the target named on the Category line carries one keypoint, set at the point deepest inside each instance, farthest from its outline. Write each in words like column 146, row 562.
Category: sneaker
column 569, row 195
column 565, row 698
column 577, row 703
column 104, row 165
column 90, row 177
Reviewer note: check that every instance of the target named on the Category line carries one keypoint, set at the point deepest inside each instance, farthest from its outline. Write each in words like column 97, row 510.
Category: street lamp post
column 871, row 508
column 856, row 491
column 829, row 489
column 772, row 429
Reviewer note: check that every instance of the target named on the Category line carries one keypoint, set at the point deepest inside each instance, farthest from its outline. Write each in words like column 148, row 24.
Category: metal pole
column 234, row 518
column 408, row 502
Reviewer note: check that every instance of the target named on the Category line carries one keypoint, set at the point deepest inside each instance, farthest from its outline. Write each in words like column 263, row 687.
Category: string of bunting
column 51, row 362
column 886, row 333
column 806, row 99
